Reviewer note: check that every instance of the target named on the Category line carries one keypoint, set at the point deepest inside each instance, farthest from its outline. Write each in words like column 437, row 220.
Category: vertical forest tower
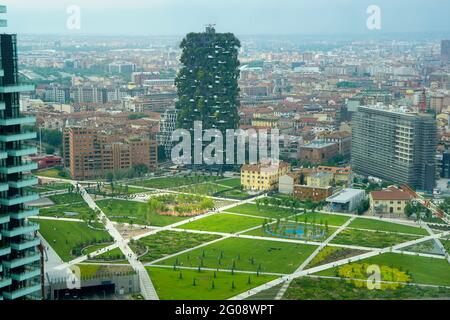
column 20, row 266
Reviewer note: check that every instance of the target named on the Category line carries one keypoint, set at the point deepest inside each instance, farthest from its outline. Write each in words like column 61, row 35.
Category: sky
column 243, row 17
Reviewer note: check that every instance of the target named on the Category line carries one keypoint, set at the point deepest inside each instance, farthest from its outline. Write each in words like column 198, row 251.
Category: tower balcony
column 26, row 213
column 4, row 282
column 16, row 88
column 25, row 151
column 19, row 293
column 34, row 272
column 27, row 228
column 19, row 262
column 18, row 120
column 3, row 155
column 23, row 183
column 25, row 244
column 17, row 136
column 4, row 251
column 19, row 199
column 2, row 104
column 24, row 167
column 4, row 187
column 4, row 218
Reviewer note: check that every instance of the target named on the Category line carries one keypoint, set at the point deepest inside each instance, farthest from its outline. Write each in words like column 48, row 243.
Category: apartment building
column 89, row 153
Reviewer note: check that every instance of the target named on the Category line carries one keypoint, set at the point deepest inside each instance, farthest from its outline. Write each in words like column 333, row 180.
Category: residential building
column 320, row 179
column 389, row 201
column 167, row 125
column 318, row 151
column 286, row 183
column 395, row 145
column 342, row 139
column 88, row 153
column 264, row 176
column 20, row 257
column 316, row 194
column 341, row 176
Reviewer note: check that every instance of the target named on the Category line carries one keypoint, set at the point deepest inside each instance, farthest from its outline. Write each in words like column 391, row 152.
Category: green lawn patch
column 262, row 211
column 66, row 198
column 307, row 288
column 209, row 285
column 58, row 173
column 173, row 182
column 77, row 211
column 221, row 222
column 422, row 270
column 135, row 212
column 166, row 243
column 232, row 182
column 246, row 254
column 371, row 224
column 69, row 238
column 89, row 271
column 331, row 219
column 371, row 239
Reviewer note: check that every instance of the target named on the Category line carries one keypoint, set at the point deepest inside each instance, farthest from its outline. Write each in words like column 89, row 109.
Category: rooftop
column 391, row 193
column 345, row 195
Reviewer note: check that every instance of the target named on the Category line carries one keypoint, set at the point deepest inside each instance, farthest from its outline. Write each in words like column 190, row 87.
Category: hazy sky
column 175, row 17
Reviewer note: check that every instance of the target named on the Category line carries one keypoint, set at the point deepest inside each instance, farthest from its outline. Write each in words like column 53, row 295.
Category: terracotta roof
column 391, row 193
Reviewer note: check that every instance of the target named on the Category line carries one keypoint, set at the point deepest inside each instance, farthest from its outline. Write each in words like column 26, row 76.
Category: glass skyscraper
column 20, row 258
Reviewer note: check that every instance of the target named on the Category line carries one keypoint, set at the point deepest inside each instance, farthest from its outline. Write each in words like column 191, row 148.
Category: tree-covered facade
column 207, row 82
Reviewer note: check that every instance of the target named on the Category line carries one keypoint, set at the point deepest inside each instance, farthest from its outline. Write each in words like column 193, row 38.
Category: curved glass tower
column 20, row 258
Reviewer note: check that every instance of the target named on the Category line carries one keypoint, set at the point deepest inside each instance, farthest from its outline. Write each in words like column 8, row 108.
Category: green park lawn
column 169, row 286
column 135, row 212
column 262, row 211
column 67, row 198
column 221, row 222
column 174, row 182
column 232, row 182
column 331, row 219
column 423, row 270
column 76, row 211
column 262, row 233
column 306, row 288
column 371, row 224
column 371, row 239
column 246, row 254
column 166, row 243
column 69, row 238
column 52, row 173
column 50, row 187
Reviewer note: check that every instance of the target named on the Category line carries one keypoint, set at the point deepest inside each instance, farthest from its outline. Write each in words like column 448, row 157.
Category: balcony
column 17, row 121
column 3, row 9
column 28, row 212
column 22, row 152
column 4, row 218
column 26, row 244
column 2, row 104
column 22, row 292
column 28, row 227
column 18, row 262
column 26, row 275
column 14, row 88
column 4, row 282
column 18, row 136
column 23, row 183
column 4, row 251
column 19, row 199
column 3, row 155
column 26, row 166
column 4, row 187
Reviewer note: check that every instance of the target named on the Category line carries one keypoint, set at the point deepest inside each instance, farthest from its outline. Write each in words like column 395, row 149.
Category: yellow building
column 389, row 201
column 262, row 177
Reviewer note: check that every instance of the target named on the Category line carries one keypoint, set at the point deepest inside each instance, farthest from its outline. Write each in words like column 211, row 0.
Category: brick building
column 318, row 151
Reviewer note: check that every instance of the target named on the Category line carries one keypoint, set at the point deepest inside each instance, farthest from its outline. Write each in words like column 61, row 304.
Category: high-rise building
column 167, row 126
column 208, row 81
column 20, row 257
column 395, row 145
column 445, row 49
